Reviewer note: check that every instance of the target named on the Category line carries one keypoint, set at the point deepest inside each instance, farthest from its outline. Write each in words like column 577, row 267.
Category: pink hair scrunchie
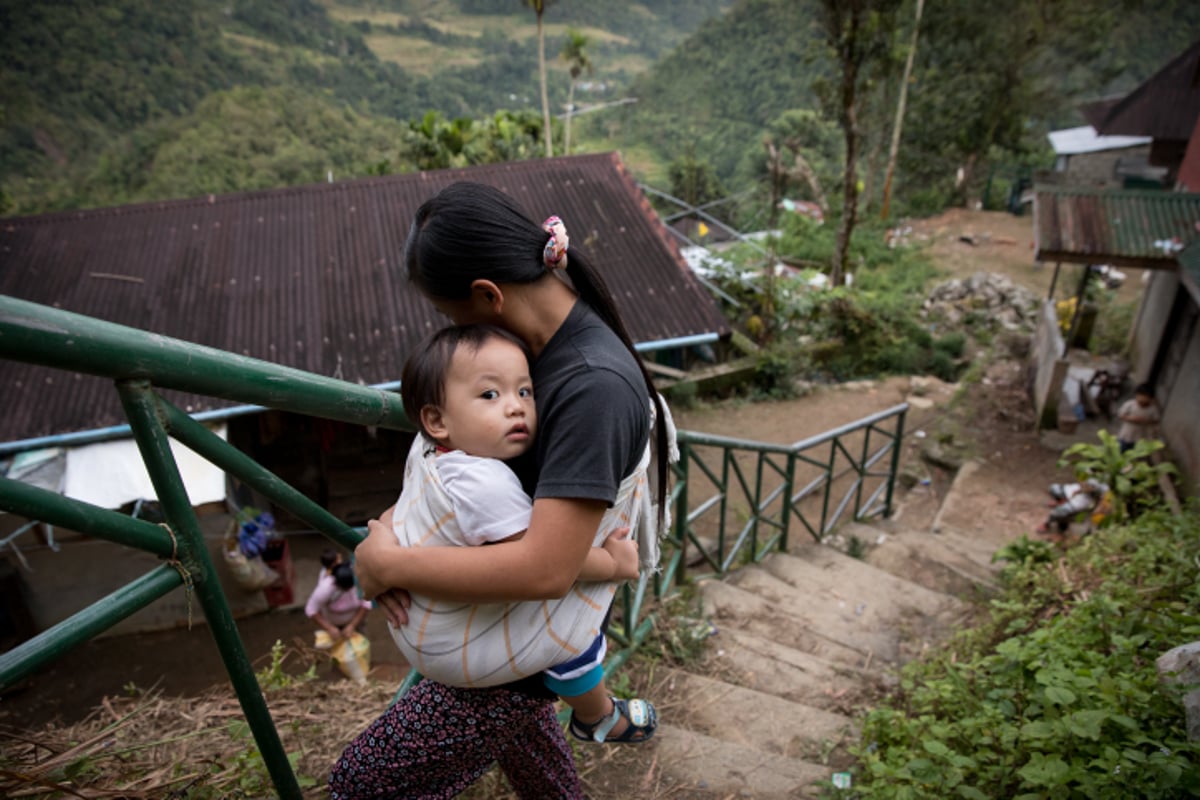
column 555, row 251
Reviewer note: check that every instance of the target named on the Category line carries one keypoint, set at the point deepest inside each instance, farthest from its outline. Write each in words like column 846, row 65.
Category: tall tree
column 987, row 86
column 575, row 53
column 539, row 8
column 856, row 32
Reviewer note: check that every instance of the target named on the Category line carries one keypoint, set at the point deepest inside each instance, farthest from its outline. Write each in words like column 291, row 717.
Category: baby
column 470, row 390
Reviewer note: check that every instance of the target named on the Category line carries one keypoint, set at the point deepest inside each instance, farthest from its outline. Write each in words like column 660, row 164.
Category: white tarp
column 1084, row 139
column 111, row 474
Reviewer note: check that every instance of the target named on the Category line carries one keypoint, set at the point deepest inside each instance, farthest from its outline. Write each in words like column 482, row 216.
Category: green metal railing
column 755, row 491
column 139, row 363
column 733, row 500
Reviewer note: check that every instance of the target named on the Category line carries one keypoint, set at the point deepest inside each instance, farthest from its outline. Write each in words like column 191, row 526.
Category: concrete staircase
column 805, row 640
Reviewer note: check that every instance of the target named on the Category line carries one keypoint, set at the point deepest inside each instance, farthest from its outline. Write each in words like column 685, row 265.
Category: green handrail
column 773, row 507
column 711, row 495
column 139, row 363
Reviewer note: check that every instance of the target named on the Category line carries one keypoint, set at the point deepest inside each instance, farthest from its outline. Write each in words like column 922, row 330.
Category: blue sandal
column 642, row 722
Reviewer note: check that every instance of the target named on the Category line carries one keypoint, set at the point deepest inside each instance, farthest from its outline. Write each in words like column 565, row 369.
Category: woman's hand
column 370, row 555
column 624, row 554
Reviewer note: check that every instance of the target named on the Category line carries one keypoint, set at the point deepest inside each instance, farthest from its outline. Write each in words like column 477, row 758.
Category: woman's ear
column 487, row 295
column 433, row 423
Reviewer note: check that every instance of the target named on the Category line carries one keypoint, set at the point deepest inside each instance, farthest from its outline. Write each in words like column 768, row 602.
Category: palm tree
column 539, row 7
column 575, row 53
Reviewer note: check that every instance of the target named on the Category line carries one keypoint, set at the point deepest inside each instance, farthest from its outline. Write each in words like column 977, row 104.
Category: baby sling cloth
column 490, row 644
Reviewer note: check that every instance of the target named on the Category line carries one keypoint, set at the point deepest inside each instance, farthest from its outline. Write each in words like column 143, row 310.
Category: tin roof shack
column 1164, row 107
column 308, row 277
column 1145, row 230
column 1084, row 158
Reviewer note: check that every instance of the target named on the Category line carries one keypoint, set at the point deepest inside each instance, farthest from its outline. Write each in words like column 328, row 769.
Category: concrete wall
column 1153, row 315
column 1181, row 418
column 1051, row 367
column 1180, row 401
column 1099, row 169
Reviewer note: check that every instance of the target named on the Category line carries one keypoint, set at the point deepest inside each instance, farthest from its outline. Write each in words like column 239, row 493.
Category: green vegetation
column 874, row 328
column 100, row 98
column 1132, row 477
column 102, row 101
column 1056, row 694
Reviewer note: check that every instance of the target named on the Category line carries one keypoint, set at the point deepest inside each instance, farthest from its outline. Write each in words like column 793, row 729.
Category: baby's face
column 489, row 408
column 1143, row 399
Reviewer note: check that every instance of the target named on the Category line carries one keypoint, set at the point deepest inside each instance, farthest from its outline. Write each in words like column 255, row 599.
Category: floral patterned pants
column 437, row 740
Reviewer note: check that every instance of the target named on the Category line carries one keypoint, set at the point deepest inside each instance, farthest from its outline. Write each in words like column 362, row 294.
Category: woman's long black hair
column 472, row 231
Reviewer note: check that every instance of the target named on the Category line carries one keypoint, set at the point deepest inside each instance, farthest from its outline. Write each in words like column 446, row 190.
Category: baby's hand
column 624, row 554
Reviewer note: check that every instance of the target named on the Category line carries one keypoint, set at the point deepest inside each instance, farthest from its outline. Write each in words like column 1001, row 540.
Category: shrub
column 952, row 344
column 1131, row 477
column 1110, row 335
column 1056, row 695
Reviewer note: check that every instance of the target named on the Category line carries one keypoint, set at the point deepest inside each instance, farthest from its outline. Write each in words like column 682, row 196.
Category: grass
column 355, row 13
column 419, row 56
column 251, row 42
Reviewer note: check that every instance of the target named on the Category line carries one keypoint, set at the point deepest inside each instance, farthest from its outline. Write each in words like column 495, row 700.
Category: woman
column 480, row 259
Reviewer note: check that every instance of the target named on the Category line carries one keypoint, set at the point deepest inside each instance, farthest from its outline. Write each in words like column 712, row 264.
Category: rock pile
column 984, row 298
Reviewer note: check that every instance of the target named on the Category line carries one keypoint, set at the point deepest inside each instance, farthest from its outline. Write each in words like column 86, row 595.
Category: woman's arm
column 328, row 626
column 543, row 564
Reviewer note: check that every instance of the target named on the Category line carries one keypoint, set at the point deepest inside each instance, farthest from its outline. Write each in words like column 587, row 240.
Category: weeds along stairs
column 803, row 641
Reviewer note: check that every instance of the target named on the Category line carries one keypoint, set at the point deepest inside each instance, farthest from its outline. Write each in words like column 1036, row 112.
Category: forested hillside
column 111, row 101
column 989, row 81
column 717, row 94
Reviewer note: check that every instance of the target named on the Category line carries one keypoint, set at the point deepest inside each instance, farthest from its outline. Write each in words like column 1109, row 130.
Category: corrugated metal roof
column 310, row 276
column 1145, row 229
column 1165, row 106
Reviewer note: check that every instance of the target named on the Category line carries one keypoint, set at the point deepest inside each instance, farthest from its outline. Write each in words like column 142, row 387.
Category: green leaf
column 1045, row 770
column 1039, row 729
column 1124, row 721
column 936, row 748
column 1136, row 756
column 1086, row 724
column 971, row 793
column 1060, row 695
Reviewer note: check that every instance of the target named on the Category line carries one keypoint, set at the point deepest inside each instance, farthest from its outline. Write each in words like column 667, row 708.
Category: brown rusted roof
column 309, row 276
column 1165, row 106
column 1145, row 229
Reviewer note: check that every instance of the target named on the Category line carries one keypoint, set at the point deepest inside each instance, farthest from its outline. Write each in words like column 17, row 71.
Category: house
column 1164, row 107
column 1156, row 231
column 1084, row 158
column 308, row 277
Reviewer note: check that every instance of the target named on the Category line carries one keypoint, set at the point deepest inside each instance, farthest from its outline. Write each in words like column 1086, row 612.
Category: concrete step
column 771, row 666
column 846, row 600
column 738, row 609
column 860, row 591
column 831, row 619
column 935, row 561
column 755, row 719
column 983, row 520
column 696, row 763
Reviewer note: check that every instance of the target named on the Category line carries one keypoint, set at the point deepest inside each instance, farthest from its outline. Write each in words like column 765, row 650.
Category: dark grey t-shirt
column 593, row 422
column 593, row 412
